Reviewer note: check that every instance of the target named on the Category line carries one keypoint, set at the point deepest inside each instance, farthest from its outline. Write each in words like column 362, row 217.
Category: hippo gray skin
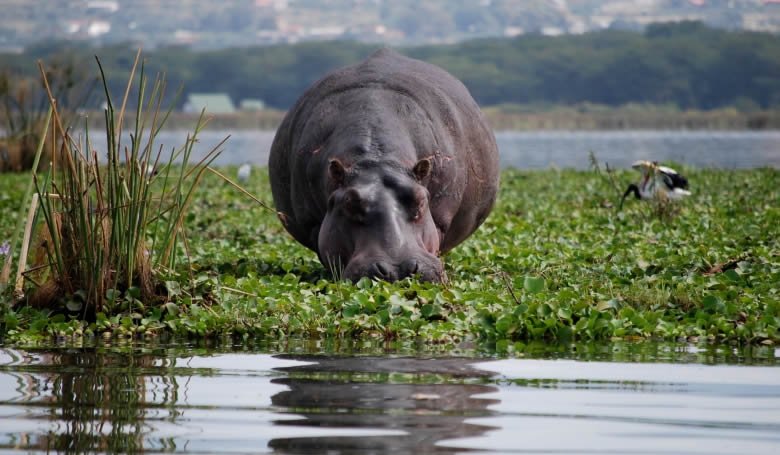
column 382, row 166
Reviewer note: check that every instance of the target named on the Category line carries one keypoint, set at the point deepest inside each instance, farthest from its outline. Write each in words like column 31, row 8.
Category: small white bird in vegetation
column 657, row 182
column 244, row 172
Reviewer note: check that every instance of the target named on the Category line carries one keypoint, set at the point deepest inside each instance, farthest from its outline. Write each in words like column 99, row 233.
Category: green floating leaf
column 520, row 310
column 134, row 292
column 11, row 321
column 351, row 310
column 112, row 295
column 609, row 304
column 712, row 304
column 533, row 285
column 364, row 283
column 171, row 308
column 384, row 316
column 429, row 310
column 173, row 287
column 505, row 325
column 732, row 275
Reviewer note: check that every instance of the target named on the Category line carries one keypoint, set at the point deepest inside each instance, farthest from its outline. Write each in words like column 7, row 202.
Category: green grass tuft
column 110, row 229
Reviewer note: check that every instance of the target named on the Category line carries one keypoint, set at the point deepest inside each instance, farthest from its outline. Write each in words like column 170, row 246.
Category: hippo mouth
column 425, row 268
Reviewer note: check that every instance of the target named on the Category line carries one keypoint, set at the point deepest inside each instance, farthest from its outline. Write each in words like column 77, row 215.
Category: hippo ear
column 422, row 169
column 336, row 172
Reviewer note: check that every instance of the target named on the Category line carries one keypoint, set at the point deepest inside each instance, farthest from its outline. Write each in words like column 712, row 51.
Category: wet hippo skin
column 382, row 166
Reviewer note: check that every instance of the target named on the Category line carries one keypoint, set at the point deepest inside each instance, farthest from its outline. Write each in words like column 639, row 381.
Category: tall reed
column 111, row 227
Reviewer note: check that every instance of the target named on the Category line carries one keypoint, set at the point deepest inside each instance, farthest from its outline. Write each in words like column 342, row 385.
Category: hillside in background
column 682, row 65
column 209, row 24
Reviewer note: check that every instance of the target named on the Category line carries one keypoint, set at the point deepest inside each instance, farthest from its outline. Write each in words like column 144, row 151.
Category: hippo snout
column 425, row 268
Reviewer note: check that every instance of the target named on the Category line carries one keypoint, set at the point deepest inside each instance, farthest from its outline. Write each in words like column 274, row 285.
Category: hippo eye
column 353, row 206
column 412, row 200
column 417, row 212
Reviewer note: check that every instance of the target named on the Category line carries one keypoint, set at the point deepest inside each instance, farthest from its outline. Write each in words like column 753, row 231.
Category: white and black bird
column 244, row 172
column 150, row 171
column 657, row 182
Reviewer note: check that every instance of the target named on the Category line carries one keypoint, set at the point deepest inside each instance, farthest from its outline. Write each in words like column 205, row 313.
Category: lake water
column 565, row 149
column 573, row 399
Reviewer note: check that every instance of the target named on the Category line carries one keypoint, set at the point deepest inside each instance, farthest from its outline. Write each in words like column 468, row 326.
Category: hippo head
column 378, row 223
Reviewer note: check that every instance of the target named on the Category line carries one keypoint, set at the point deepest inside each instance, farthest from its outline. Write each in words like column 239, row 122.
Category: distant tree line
column 685, row 64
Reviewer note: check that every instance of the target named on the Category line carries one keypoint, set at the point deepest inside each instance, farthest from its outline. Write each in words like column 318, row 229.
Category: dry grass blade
column 607, row 176
column 241, row 189
column 5, row 272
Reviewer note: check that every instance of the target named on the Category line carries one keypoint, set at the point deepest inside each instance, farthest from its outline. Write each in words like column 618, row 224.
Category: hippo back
column 464, row 179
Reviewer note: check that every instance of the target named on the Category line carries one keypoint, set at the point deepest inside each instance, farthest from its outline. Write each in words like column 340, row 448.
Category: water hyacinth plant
column 112, row 227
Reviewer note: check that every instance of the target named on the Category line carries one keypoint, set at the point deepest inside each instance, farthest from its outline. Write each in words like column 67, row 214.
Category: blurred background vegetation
column 684, row 65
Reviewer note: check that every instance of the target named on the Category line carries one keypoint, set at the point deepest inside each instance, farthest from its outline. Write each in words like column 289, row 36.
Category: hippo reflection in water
column 353, row 394
column 382, row 166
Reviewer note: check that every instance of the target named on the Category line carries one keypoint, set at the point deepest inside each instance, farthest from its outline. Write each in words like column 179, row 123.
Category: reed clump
column 113, row 223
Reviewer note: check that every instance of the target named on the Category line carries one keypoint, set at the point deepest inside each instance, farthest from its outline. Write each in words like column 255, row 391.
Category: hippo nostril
column 382, row 270
column 410, row 267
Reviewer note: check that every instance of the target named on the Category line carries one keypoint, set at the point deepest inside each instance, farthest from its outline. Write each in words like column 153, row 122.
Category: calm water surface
column 533, row 150
column 633, row 399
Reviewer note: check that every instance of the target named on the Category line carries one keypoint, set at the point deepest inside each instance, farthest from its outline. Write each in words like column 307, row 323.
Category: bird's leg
column 631, row 188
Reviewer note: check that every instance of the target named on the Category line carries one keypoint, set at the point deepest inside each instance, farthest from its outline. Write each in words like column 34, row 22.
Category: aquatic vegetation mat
column 555, row 260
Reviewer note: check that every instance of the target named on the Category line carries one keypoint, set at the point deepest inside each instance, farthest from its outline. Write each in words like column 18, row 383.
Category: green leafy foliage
column 554, row 261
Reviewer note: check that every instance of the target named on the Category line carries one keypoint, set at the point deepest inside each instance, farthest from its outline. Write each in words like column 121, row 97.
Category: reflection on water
column 177, row 399
column 161, row 400
column 425, row 400
column 565, row 149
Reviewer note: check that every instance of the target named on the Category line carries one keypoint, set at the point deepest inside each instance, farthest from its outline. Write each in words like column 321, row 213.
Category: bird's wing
column 667, row 170
column 667, row 179
column 673, row 179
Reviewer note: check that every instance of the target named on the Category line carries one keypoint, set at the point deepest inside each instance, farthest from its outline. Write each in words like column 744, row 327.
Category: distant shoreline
column 627, row 118
column 554, row 119
column 518, row 118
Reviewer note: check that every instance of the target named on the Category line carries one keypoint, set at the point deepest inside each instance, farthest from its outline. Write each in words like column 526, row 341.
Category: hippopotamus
column 383, row 166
